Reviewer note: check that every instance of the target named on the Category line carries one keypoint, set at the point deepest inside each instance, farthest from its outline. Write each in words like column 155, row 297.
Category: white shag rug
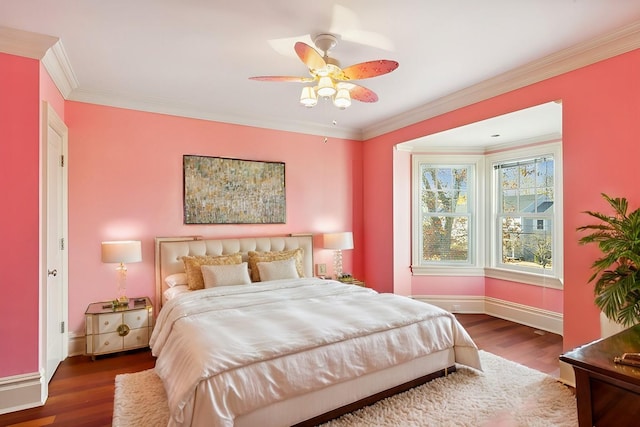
column 504, row 394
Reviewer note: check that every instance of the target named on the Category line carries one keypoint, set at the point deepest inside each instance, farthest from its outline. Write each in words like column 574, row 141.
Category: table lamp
column 338, row 242
column 121, row 252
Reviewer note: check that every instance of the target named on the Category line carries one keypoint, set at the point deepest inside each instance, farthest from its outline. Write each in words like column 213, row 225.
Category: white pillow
column 276, row 270
column 177, row 279
column 174, row 291
column 225, row 275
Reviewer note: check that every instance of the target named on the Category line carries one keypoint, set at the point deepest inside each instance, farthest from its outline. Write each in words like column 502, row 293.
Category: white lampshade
column 122, row 251
column 308, row 97
column 338, row 240
column 325, row 86
column 342, row 99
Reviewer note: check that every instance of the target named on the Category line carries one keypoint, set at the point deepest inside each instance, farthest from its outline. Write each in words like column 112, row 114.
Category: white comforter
column 244, row 347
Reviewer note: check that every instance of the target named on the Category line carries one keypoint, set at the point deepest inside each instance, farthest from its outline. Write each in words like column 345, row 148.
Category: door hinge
column 62, row 244
column 62, row 327
column 62, row 160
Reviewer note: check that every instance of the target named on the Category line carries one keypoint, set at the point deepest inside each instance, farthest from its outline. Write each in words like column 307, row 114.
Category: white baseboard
column 545, row 320
column 455, row 303
column 23, row 391
column 76, row 344
column 567, row 374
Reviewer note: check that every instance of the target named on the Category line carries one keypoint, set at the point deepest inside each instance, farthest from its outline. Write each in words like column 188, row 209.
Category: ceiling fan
column 328, row 80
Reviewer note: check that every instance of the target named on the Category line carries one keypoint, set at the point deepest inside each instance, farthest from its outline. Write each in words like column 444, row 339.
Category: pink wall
column 125, row 182
column 601, row 106
column 19, row 178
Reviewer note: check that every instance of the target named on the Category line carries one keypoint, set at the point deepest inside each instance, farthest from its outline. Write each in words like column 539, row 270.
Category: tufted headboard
column 170, row 250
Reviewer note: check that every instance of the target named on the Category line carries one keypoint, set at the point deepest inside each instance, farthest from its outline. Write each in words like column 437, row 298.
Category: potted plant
column 616, row 273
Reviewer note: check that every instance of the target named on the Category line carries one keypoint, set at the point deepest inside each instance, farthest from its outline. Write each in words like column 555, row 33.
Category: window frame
column 484, row 246
column 472, row 267
column 552, row 278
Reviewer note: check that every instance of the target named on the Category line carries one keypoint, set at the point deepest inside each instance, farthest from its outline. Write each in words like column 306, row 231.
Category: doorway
column 54, row 264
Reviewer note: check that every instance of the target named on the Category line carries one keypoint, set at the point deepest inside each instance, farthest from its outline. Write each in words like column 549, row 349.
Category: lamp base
column 120, row 302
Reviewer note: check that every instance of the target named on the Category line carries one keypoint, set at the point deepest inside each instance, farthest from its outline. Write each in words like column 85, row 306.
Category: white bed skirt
column 304, row 407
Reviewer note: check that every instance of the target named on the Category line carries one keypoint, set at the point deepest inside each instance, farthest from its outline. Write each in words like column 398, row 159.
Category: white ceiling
column 540, row 123
column 194, row 57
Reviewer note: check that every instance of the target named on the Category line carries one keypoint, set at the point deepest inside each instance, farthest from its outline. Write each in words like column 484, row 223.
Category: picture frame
column 220, row 190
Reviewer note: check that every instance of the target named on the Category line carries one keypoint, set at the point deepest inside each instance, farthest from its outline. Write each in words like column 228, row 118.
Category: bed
column 288, row 350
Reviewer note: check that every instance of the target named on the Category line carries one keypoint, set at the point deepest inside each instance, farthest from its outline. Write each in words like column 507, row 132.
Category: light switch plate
column 321, row 269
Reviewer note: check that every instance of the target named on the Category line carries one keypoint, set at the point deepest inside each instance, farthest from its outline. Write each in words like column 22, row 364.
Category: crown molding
column 623, row 40
column 57, row 64
column 161, row 106
column 47, row 49
column 25, row 43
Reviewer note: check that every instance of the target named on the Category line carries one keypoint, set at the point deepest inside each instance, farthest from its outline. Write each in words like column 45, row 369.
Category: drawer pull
column 106, row 343
column 123, row 330
column 106, row 322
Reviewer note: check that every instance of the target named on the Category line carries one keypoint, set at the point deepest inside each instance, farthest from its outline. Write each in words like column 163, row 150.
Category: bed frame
column 322, row 405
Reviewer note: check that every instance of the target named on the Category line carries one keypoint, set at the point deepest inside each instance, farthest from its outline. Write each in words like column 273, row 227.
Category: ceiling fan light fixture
column 326, row 87
column 342, row 99
column 308, row 97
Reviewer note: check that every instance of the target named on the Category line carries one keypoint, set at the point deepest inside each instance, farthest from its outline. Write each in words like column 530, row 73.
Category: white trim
column 531, row 316
column 468, row 304
column 76, row 345
column 523, row 277
column 462, row 271
column 495, row 270
column 25, row 43
column 538, row 318
column 476, row 211
column 57, row 64
column 20, row 392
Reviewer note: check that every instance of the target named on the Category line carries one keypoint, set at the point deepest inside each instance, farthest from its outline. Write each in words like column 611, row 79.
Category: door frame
column 50, row 119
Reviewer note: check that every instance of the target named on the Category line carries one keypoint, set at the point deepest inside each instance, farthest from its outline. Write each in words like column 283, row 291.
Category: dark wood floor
column 81, row 391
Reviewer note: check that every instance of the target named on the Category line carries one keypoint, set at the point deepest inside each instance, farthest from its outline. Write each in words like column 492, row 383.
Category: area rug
column 504, row 394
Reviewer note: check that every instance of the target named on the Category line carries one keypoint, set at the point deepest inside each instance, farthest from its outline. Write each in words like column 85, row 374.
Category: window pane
column 445, row 238
column 526, row 242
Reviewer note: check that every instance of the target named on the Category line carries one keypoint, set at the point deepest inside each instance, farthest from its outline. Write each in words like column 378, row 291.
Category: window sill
column 462, row 270
column 494, row 273
column 528, row 278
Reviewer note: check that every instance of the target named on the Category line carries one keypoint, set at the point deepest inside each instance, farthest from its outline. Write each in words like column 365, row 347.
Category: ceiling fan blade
column 282, row 79
column 369, row 69
column 347, row 23
column 362, row 94
column 309, row 56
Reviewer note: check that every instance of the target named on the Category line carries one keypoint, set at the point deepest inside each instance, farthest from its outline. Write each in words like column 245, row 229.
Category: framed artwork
column 220, row 190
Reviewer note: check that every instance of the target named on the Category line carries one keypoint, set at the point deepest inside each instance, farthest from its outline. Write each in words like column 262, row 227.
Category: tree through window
column 446, row 213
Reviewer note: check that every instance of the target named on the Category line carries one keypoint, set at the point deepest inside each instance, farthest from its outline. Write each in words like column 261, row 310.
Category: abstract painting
column 220, row 190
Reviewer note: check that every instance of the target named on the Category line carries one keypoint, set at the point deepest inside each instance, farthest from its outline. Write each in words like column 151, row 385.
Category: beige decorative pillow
column 225, row 275
column 256, row 257
column 192, row 266
column 277, row 270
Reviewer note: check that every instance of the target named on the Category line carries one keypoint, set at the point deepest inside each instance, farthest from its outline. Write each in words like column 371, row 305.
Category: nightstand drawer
column 136, row 319
column 108, row 322
column 136, row 338
column 107, row 343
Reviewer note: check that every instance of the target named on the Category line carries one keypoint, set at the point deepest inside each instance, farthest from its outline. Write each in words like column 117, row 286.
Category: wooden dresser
column 608, row 394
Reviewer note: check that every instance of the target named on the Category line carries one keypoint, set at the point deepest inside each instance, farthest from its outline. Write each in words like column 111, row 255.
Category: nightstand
column 353, row 281
column 112, row 329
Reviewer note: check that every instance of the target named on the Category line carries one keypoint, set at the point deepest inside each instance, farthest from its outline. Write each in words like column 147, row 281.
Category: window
column 524, row 214
column 445, row 219
column 502, row 220
column 525, row 223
